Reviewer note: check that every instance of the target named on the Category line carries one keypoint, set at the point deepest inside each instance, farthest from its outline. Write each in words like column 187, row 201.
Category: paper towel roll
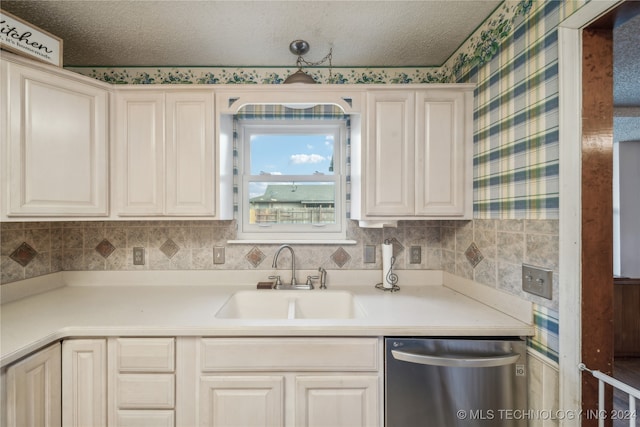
column 387, row 255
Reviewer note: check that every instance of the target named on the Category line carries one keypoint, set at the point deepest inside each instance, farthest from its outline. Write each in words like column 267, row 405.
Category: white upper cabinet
column 139, row 153
column 54, row 142
column 389, row 167
column 416, row 155
column 165, row 153
column 72, row 147
column 443, row 153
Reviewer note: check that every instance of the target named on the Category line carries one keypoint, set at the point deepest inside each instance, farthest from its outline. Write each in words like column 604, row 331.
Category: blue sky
column 291, row 154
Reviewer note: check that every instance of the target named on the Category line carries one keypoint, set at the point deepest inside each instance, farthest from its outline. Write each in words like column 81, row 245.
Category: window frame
column 292, row 232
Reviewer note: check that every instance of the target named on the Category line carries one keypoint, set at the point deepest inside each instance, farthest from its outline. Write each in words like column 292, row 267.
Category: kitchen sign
column 20, row 37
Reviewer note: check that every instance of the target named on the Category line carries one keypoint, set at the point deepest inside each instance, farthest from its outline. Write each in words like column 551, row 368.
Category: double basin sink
column 291, row 304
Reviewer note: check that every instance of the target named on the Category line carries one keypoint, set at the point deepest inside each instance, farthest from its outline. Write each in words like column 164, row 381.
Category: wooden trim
column 597, row 212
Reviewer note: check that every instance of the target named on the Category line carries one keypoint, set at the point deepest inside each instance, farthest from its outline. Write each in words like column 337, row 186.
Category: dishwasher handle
column 456, row 361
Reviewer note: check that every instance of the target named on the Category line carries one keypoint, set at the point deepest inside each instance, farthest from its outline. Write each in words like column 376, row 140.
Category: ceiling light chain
column 328, row 57
column 300, row 48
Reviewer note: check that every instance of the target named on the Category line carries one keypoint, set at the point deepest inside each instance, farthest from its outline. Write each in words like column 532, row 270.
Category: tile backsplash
column 488, row 251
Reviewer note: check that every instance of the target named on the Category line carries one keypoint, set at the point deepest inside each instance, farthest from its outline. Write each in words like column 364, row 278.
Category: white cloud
column 299, row 159
column 257, row 189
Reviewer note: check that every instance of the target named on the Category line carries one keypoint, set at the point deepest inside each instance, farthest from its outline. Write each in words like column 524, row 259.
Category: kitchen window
column 291, row 179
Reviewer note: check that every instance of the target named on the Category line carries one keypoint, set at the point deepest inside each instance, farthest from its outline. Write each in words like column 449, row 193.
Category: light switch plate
column 218, row 255
column 138, row 256
column 369, row 254
column 537, row 281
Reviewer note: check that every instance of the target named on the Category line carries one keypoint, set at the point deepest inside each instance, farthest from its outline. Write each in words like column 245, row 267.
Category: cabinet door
column 84, row 383
column 440, row 153
column 57, row 144
column 337, row 401
column 389, row 162
column 33, row 390
column 139, row 152
column 190, row 153
column 241, row 401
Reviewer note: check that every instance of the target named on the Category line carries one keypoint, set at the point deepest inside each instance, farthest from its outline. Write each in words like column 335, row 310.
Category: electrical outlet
column 537, row 281
column 218, row 255
column 369, row 254
column 138, row 256
column 416, row 255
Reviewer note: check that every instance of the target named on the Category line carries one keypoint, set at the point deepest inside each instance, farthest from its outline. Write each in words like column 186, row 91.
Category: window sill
column 294, row 242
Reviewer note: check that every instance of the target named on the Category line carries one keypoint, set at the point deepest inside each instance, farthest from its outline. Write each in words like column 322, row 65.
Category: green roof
column 287, row 193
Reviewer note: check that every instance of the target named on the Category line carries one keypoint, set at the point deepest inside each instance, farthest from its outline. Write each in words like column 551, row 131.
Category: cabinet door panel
column 337, row 401
column 146, row 354
column 145, row 391
column 440, row 153
column 242, row 401
column 57, row 145
column 84, row 382
column 145, row 418
column 140, row 153
column 389, row 160
column 190, row 154
column 33, row 390
column 289, row 354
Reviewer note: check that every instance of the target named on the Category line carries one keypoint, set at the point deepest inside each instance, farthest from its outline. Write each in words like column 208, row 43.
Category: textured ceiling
column 228, row 33
column 255, row 33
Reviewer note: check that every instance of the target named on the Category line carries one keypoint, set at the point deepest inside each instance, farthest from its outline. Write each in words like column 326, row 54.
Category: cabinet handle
column 460, row 361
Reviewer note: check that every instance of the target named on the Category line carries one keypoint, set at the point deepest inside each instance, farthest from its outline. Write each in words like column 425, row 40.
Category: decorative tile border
column 169, row 248
column 23, row 254
column 259, row 75
column 340, row 257
column 105, row 248
column 473, row 254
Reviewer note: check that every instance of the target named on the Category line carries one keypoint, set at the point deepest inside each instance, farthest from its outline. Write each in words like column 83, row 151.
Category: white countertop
column 108, row 304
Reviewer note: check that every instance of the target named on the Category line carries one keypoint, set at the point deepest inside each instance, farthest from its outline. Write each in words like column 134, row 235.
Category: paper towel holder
column 391, row 277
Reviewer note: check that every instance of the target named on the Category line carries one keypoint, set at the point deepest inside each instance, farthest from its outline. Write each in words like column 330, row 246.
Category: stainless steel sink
column 282, row 304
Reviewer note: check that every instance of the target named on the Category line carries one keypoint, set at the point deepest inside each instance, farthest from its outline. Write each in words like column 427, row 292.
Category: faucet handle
column 278, row 281
column 310, row 281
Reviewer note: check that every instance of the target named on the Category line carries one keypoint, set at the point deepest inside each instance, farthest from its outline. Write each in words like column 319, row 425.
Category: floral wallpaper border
column 477, row 50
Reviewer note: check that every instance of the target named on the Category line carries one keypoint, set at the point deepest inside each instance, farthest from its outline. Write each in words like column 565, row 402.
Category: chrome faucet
column 294, row 282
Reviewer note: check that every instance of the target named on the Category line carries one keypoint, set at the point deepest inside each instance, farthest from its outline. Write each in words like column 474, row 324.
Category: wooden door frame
column 575, row 299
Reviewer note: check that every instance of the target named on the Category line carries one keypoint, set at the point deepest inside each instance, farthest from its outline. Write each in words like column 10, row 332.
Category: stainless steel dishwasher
column 433, row 382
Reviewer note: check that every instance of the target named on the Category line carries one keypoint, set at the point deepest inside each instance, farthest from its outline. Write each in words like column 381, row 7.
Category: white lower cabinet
column 118, row 382
column 290, row 382
column 337, row 400
column 222, row 382
column 32, row 390
column 84, row 382
column 142, row 385
column 242, row 400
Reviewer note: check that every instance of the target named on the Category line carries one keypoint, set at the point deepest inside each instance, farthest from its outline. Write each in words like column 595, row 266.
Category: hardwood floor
column 626, row 370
